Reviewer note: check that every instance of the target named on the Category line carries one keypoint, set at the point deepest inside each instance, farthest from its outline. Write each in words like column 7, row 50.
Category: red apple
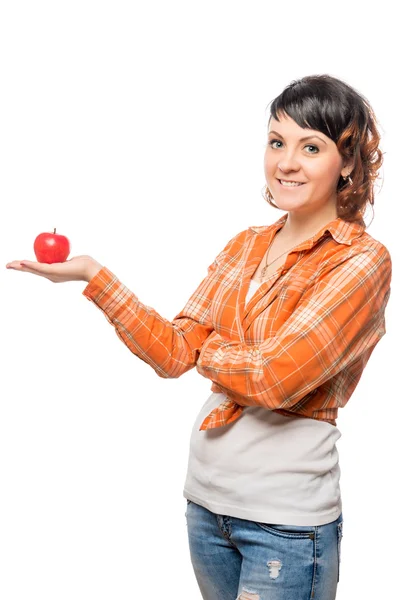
column 51, row 247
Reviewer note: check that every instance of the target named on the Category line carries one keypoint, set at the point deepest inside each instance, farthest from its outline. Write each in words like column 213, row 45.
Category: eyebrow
column 303, row 139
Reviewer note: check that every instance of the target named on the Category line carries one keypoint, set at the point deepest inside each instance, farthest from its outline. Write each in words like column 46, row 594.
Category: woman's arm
column 170, row 347
column 338, row 322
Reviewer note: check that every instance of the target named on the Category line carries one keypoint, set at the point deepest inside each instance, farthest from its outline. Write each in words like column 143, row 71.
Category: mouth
column 290, row 184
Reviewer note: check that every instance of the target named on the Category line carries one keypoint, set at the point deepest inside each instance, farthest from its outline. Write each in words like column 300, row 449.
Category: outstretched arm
column 170, row 347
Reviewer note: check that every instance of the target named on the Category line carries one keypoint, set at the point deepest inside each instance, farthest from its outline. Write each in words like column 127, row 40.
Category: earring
column 268, row 193
column 349, row 179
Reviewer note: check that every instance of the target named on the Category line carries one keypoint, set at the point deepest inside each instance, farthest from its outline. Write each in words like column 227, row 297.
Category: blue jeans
column 235, row 559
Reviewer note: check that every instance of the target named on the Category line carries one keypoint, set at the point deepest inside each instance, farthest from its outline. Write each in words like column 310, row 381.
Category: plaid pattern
column 300, row 344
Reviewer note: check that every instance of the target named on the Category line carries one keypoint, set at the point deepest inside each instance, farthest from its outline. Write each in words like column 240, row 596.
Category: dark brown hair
column 327, row 104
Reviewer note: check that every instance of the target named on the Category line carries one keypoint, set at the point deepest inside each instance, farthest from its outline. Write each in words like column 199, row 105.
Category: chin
column 291, row 205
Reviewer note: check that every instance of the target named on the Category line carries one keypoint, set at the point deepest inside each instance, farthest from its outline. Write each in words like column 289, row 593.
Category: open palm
column 78, row 268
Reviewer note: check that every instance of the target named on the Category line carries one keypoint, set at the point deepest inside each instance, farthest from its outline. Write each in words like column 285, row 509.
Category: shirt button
column 284, row 271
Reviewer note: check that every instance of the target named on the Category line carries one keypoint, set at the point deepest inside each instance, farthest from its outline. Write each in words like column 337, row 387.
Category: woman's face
column 315, row 162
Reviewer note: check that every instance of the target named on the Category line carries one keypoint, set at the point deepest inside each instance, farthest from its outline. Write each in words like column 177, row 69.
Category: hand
column 78, row 268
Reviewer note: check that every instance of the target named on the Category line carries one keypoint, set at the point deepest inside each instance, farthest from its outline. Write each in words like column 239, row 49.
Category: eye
column 271, row 142
column 312, row 146
column 314, row 150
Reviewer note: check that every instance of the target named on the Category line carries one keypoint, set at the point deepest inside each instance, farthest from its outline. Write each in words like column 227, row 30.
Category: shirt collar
column 343, row 232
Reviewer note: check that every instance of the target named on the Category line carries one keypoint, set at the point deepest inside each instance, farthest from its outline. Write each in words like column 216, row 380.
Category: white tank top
column 265, row 467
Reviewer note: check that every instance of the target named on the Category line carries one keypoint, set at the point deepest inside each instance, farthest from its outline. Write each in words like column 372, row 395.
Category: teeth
column 290, row 183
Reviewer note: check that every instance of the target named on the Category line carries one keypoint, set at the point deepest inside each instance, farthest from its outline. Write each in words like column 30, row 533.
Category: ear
column 347, row 168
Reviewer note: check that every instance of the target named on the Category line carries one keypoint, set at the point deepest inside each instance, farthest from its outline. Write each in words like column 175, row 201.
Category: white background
column 138, row 130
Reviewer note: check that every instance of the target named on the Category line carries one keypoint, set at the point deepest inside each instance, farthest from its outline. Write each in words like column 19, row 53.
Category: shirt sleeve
column 170, row 347
column 338, row 322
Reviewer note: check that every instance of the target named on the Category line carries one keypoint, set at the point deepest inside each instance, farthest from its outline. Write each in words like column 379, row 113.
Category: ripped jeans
column 235, row 559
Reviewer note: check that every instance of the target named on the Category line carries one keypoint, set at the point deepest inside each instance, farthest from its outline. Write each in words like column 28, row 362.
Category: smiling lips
column 286, row 183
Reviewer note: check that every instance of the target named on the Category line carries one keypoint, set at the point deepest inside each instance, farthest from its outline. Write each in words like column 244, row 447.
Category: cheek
column 269, row 165
column 322, row 173
column 325, row 171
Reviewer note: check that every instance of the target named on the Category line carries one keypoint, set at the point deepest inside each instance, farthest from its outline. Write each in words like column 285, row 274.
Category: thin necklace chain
column 264, row 269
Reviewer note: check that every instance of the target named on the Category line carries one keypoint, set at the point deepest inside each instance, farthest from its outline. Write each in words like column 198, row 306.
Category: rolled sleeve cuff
column 107, row 292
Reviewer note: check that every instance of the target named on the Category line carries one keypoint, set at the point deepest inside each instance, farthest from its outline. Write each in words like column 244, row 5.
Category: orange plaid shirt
column 298, row 347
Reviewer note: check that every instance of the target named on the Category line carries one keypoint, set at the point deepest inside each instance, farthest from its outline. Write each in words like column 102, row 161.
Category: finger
column 31, row 267
column 15, row 264
column 34, row 266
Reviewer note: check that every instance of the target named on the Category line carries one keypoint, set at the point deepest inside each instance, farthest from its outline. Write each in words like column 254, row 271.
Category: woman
column 283, row 325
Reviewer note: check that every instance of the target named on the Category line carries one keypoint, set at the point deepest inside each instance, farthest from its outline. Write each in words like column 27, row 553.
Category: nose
column 288, row 162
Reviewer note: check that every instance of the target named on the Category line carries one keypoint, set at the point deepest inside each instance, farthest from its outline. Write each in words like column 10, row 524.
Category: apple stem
column 54, row 229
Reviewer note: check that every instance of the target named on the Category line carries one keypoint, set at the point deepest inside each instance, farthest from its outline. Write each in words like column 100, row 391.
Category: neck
column 301, row 226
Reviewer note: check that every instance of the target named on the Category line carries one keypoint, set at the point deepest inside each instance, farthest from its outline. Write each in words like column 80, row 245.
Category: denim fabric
column 235, row 559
